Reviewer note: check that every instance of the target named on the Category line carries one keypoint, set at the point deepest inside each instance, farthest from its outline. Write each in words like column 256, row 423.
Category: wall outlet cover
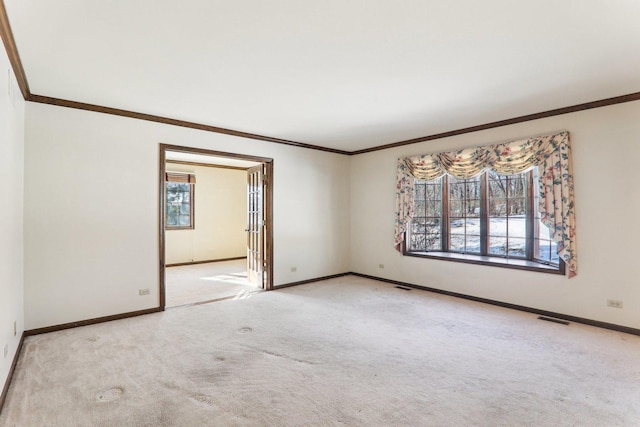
column 615, row 303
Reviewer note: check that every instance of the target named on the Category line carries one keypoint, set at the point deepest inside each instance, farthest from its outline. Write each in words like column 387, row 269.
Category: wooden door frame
column 268, row 209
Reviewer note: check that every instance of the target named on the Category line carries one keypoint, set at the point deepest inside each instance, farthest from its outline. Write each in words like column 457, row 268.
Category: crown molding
column 529, row 117
column 174, row 122
column 12, row 51
column 148, row 117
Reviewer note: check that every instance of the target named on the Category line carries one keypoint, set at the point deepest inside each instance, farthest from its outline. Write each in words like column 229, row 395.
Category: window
column 490, row 218
column 508, row 211
column 179, row 190
column 489, row 212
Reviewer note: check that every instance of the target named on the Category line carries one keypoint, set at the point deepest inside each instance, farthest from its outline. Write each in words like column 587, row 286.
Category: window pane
column 498, row 245
column 434, row 207
column 517, row 206
column 434, row 191
column 472, row 226
column 516, row 186
column 456, row 208
column 543, row 231
column 432, row 225
column 507, row 215
column 473, row 244
column 497, row 207
column 456, row 243
column 543, row 250
column 464, row 209
column 456, row 226
column 426, row 224
column 184, row 220
column 465, row 235
column 517, row 226
column 498, row 226
column 555, row 259
column 425, row 234
column 456, row 191
column 433, row 242
column 473, row 190
column 417, row 242
column 546, row 250
column 434, row 238
column 517, row 247
column 472, row 208
column 497, row 186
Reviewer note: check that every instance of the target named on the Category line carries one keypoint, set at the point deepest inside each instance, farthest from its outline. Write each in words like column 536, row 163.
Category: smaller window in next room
column 179, row 201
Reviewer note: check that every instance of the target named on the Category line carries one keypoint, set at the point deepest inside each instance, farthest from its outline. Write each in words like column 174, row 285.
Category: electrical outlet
column 6, row 350
column 615, row 303
column 294, row 269
column 380, row 265
column 144, row 291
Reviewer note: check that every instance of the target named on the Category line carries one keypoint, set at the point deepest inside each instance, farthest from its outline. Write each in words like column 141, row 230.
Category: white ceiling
column 342, row 74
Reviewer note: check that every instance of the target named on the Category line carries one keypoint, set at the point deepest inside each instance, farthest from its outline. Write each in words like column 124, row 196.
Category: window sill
column 518, row 264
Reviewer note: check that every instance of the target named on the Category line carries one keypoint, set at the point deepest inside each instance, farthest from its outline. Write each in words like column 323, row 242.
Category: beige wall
column 11, row 216
column 220, row 217
column 91, row 211
column 606, row 146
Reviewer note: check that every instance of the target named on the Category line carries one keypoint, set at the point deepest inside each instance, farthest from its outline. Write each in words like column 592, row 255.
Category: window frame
column 192, row 222
column 529, row 262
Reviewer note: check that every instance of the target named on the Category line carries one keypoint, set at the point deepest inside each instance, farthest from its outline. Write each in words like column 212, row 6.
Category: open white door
column 255, row 225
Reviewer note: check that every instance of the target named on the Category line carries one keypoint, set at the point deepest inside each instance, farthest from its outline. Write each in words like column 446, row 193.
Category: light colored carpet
column 188, row 284
column 346, row 351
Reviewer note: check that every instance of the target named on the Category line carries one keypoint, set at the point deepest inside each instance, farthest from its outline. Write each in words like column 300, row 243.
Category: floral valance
column 551, row 154
column 508, row 158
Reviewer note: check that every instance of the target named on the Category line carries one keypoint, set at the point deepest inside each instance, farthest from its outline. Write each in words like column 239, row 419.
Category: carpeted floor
column 188, row 284
column 346, row 351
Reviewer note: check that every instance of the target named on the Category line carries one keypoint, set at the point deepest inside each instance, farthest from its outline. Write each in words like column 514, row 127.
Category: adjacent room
column 205, row 232
column 282, row 214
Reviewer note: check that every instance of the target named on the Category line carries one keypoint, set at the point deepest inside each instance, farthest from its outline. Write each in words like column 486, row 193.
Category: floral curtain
column 551, row 154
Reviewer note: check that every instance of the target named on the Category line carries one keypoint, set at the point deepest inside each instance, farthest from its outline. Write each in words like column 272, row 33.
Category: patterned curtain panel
column 551, row 154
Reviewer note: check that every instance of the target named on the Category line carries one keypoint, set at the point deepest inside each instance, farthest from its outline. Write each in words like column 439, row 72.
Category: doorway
column 196, row 277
